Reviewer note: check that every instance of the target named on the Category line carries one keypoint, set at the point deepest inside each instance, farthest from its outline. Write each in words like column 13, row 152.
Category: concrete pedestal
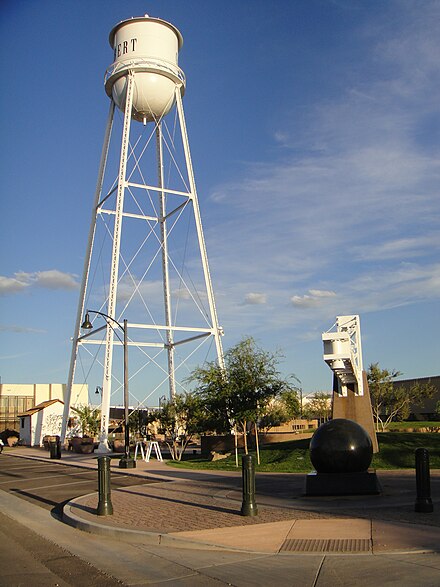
column 356, row 408
column 321, row 484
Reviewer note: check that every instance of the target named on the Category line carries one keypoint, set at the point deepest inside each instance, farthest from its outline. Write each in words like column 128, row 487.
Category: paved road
column 29, row 559
column 50, row 485
column 139, row 562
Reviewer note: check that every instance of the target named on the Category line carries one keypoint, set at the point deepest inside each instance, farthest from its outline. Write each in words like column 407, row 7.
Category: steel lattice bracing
column 146, row 262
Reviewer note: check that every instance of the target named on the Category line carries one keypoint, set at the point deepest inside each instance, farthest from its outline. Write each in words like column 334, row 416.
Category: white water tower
column 149, row 48
column 145, row 201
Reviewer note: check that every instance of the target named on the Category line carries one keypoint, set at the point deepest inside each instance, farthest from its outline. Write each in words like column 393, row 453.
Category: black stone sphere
column 341, row 446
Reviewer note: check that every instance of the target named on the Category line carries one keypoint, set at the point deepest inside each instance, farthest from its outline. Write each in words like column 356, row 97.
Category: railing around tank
column 142, row 64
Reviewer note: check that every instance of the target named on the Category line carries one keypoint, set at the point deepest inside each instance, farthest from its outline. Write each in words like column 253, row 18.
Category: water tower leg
column 201, row 239
column 114, row 271
column 165, row 270
column 86, row 270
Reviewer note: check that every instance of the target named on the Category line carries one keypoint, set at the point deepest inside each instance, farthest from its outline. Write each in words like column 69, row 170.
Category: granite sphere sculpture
column 341, row 446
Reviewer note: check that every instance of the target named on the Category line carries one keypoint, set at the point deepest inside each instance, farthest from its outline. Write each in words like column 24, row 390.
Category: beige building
column 16, row 398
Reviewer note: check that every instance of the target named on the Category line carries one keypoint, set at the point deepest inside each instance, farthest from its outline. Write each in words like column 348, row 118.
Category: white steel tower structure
column 343, row 353
column 145, row 230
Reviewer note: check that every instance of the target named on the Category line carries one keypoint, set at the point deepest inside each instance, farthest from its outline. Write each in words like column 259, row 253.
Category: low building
column 17, row 398
column 427, row 410
column 45, row 419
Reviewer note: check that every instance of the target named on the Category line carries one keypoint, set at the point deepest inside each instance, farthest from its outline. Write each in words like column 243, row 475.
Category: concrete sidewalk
column 201, row 510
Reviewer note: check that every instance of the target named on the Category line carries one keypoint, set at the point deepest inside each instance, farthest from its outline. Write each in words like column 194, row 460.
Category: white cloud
column 55, row 279
column 52, row 279
column 255, row 298
column 11, row 285
column 320, row 293
column 140, row 291
column 281, row 137
column 396, row 249
column 358, row 205
column 130, row 290
column 304, row 301
column 406, row 284
column 314, row 298
column 13, row 357
column 20, row 329
column 371, row 291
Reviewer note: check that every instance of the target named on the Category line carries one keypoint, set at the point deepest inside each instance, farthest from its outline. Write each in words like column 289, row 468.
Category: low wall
column 269, row 438
column 226, row 443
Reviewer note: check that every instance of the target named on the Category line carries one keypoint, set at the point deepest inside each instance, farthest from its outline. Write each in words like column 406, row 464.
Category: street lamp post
column 126, row 461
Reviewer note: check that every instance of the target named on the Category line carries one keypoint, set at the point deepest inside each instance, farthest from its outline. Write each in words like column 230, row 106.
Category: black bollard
column 55, row 449
column 105, row 507
column 58, row 449
column 249, row 506
column 423, row 501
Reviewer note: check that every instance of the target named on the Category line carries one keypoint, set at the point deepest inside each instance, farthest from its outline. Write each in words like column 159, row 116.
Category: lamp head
column 87, row 325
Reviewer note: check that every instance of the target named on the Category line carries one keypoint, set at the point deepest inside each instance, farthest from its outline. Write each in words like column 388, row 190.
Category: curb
column 72, row 519
column 172, row 540
column 72, row 516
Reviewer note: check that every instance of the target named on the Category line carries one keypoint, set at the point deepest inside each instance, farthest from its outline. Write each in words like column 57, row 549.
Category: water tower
column 146, row 262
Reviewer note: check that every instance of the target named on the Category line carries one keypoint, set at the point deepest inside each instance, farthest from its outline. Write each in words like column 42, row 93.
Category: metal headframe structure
column 343, row 353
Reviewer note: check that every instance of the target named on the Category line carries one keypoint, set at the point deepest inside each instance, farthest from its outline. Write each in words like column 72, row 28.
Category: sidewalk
column 201, row 510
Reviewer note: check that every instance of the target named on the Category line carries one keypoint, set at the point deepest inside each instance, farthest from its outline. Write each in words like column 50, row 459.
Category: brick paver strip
column 181, row 506
column 177, row 506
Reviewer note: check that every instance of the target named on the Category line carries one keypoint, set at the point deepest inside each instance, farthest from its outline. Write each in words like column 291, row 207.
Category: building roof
column 40, row 407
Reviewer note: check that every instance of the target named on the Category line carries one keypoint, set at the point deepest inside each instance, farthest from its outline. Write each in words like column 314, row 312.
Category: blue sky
column 315, row 132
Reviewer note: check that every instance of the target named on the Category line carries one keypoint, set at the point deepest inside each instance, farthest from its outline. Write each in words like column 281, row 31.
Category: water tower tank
column 148, row 47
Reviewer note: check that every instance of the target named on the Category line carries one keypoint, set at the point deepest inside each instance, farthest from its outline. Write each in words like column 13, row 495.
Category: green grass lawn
column 402, row 426
column 396, row 452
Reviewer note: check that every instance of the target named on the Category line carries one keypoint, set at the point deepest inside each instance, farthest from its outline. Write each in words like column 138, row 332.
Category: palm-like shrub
column 89, row 418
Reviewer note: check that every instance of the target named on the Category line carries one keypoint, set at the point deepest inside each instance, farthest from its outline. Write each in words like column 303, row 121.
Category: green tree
column 284, row 408
column 137, row 422
column 380, row 383
column 89, row 419
column 318, row 406
column 391, row 401
column 240, row 394
column 179, row 419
